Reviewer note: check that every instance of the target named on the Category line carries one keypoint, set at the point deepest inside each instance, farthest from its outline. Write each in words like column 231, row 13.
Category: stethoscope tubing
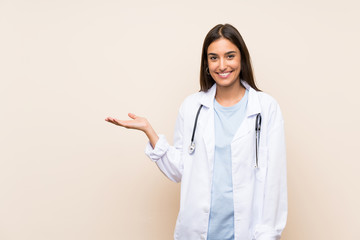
column 192, row 145
column 257, row 139
column 257, row 135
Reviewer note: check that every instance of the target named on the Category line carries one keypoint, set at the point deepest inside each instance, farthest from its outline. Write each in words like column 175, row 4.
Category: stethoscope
column 257, row 135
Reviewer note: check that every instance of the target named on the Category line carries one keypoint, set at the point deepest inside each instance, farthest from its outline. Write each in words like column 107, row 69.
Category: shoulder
column 191, row 103
column 266, row 100
column 193, row 98
column 270, row 107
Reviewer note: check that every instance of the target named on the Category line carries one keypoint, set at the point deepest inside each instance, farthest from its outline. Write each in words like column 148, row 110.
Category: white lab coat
column 260, row 194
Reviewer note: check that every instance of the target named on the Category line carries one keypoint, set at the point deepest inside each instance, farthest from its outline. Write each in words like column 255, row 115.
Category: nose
column 222, row 65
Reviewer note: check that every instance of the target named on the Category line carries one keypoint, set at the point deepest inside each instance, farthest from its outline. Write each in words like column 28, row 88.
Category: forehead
column 222, row 45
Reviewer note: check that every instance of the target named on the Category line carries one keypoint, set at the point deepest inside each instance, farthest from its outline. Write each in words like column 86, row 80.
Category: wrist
column 152, row 136
column 148, row 129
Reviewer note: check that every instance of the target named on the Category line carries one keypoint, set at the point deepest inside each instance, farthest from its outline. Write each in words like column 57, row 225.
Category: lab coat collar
column 253, row 106
column 208, row 97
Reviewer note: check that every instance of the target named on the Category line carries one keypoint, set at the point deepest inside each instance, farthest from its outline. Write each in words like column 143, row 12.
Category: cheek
column 236, row 65
column 239, row 68
column 212, row 69
column 211, row 66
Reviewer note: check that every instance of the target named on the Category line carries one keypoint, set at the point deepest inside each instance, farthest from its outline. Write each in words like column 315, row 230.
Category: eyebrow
column 225, row 53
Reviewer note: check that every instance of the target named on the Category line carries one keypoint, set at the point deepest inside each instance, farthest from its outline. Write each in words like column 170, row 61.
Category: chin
column 225, row 83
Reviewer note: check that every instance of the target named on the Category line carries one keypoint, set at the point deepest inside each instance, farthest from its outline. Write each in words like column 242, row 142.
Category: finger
column 124, row 123
column 113, row 121
column 133, row 116
column 117, row 122
column 109, row 119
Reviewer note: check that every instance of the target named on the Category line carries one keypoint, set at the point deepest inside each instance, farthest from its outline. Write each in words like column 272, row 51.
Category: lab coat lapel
column 208, row 119
column 253, row 107
column 209, row 137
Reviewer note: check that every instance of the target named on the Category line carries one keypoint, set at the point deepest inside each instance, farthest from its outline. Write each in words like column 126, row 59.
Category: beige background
column 65, row 173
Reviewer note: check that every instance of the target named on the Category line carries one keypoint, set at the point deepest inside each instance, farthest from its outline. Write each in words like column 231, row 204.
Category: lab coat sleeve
column 274, row 213
column 169, row 158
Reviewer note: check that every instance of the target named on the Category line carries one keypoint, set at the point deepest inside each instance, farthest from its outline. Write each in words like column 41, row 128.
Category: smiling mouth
column 225, row 74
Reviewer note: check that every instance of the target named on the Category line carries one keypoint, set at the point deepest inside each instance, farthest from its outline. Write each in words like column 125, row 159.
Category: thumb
column 133, row 116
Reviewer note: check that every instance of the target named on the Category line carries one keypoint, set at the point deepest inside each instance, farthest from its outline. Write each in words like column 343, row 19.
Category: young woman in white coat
column 233, row 183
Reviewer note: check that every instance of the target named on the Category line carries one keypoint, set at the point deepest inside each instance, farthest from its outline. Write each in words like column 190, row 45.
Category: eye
column 231, row 56
column 213, row 58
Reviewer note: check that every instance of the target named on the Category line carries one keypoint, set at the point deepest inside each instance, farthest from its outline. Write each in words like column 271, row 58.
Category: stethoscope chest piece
column 192, row 145
column 192, row 148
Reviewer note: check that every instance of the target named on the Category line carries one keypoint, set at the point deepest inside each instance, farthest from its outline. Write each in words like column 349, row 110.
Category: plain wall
column 65, row 66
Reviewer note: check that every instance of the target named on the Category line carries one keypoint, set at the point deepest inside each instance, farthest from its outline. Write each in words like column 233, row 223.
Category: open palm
column 137, row 122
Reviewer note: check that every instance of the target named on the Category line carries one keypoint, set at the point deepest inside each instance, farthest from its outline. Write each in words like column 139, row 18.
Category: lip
column 226, row 76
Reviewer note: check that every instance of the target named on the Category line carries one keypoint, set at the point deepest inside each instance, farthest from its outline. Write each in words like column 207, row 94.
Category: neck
column 230, row 95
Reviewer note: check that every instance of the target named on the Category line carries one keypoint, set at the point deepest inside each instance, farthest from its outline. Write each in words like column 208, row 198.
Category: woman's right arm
column 168, row 158
column 138, row 123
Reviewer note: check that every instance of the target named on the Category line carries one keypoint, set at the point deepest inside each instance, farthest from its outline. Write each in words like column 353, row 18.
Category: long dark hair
column 232, row 34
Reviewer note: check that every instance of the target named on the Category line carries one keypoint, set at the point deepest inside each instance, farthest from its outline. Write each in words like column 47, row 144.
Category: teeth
column 224, row 74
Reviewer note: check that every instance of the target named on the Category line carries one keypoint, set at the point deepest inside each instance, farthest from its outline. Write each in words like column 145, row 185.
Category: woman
column 233, row 184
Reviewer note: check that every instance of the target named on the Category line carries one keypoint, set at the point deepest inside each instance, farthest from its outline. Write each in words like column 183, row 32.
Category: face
column 224, row 62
